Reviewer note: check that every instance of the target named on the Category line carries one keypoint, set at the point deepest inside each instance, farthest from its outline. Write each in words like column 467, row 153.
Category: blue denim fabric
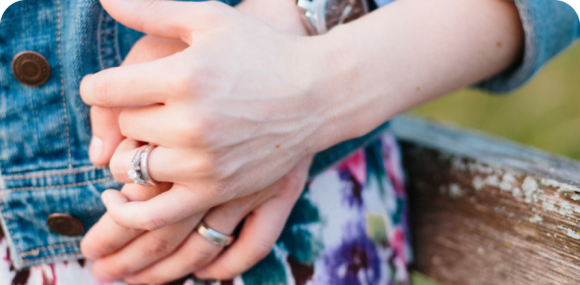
column 550, row 26
column 45, row 131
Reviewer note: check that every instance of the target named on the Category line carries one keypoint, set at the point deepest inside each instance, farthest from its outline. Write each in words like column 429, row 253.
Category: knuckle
column 102, row 90
column 118, row 270
column 117, row 169
column 97, row 247
column 215, row 10
column 157, row 246
column 196, row 131
column 190, row 78
column 199, row 257
column 152, row 223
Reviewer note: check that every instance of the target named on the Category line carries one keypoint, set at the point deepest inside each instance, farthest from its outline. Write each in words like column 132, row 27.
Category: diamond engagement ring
column 214, row 236
column 139, row 172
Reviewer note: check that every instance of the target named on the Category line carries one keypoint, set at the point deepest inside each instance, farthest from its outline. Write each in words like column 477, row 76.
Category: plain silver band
column 144, row 166
column 214, row 236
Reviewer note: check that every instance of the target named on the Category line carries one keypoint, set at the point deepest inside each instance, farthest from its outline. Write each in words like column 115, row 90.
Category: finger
column 185, row 201
column 259, row 234
column 106, row 236
column 166, row 208
column 163, row 164
column 166, row 19
column 150, row 48
column 157, row 124
column 135, row 84
column 106, row 134
column 197, row 251
column 144, row 251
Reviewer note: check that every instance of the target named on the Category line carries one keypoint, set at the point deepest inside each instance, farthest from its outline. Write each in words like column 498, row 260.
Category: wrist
column 282, row 15
column 331, row 84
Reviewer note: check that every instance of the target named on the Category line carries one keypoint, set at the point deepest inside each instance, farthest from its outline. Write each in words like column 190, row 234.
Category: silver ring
column 214, row 236
column 140, row 171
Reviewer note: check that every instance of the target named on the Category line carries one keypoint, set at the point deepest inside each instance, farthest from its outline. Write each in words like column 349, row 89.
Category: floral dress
column 349, row 227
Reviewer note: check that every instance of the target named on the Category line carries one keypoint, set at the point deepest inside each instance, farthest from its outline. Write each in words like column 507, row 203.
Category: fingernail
column 104, row 198
column 95, row 148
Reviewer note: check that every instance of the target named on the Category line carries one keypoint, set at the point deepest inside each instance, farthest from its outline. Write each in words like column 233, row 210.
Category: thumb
column 166, row 19
column 106, row 134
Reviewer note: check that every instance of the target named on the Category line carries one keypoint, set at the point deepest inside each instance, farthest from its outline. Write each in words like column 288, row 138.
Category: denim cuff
column 550, row 26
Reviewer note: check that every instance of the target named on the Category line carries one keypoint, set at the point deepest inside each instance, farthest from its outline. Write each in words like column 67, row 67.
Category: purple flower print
column 355, row 261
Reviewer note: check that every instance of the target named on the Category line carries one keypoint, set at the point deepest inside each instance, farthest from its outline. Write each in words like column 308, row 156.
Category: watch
column 319, row 16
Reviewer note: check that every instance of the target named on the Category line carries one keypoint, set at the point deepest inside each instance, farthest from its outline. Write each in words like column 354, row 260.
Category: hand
column 282, row 15
column 230, row 135
column 129, row 245
column 175, row 251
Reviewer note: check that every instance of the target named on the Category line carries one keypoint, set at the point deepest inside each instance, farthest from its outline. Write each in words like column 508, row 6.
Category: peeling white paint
column 478, row 183
column 568, row 188
column 550, row 182
column 575, row 197
column 509, row 177
column 548, row 206
column 492, row 180
column 480, row 168
column 455, row 190
column 536, row 219
column 565, row 209
column 562, row 187
column 457, row 163
column 517, row 192
column 570, row 233
column 506, row 186
column 530, row 186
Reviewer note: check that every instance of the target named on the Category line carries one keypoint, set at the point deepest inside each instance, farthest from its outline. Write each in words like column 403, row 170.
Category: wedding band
column 144, row 165
column 214, row 236
column 139, row 172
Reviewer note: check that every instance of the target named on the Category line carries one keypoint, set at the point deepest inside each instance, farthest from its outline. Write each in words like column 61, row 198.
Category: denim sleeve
column 550, row 26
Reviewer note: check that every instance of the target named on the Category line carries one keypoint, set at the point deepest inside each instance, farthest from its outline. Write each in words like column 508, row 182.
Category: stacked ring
column 139, row 172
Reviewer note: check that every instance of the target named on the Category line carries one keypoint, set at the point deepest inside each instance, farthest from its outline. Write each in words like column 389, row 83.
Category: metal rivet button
column 66, row 225
column 30, row 68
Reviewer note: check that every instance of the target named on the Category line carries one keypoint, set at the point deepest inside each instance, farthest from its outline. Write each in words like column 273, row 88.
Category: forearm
column 408, row 53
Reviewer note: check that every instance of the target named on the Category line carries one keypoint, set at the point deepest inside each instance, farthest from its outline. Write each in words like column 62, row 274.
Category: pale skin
column 244, row 106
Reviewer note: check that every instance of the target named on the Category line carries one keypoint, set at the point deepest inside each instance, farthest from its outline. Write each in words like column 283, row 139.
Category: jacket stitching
column 54, row 173
column 31, row 251
column 50, row 258
column 56, row 186
column 59, row 52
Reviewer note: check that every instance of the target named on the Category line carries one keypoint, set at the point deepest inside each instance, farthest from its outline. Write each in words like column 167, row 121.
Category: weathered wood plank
column 487, row 211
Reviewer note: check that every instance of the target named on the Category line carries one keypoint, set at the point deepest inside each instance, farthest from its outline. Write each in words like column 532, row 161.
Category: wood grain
column 486, row 211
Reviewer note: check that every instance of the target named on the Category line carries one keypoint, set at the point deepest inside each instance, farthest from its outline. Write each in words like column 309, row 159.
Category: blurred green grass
column 545, row 113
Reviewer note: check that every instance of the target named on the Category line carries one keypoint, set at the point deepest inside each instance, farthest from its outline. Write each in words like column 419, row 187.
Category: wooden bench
column 489, row 211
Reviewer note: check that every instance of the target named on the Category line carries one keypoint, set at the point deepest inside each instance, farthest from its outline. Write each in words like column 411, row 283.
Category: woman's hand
column 231, row 113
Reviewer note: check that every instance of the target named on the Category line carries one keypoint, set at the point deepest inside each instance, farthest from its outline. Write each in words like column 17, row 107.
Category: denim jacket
column 45, row 131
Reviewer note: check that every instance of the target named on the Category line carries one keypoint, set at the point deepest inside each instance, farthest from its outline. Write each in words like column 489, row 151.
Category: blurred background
column 545, row 113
